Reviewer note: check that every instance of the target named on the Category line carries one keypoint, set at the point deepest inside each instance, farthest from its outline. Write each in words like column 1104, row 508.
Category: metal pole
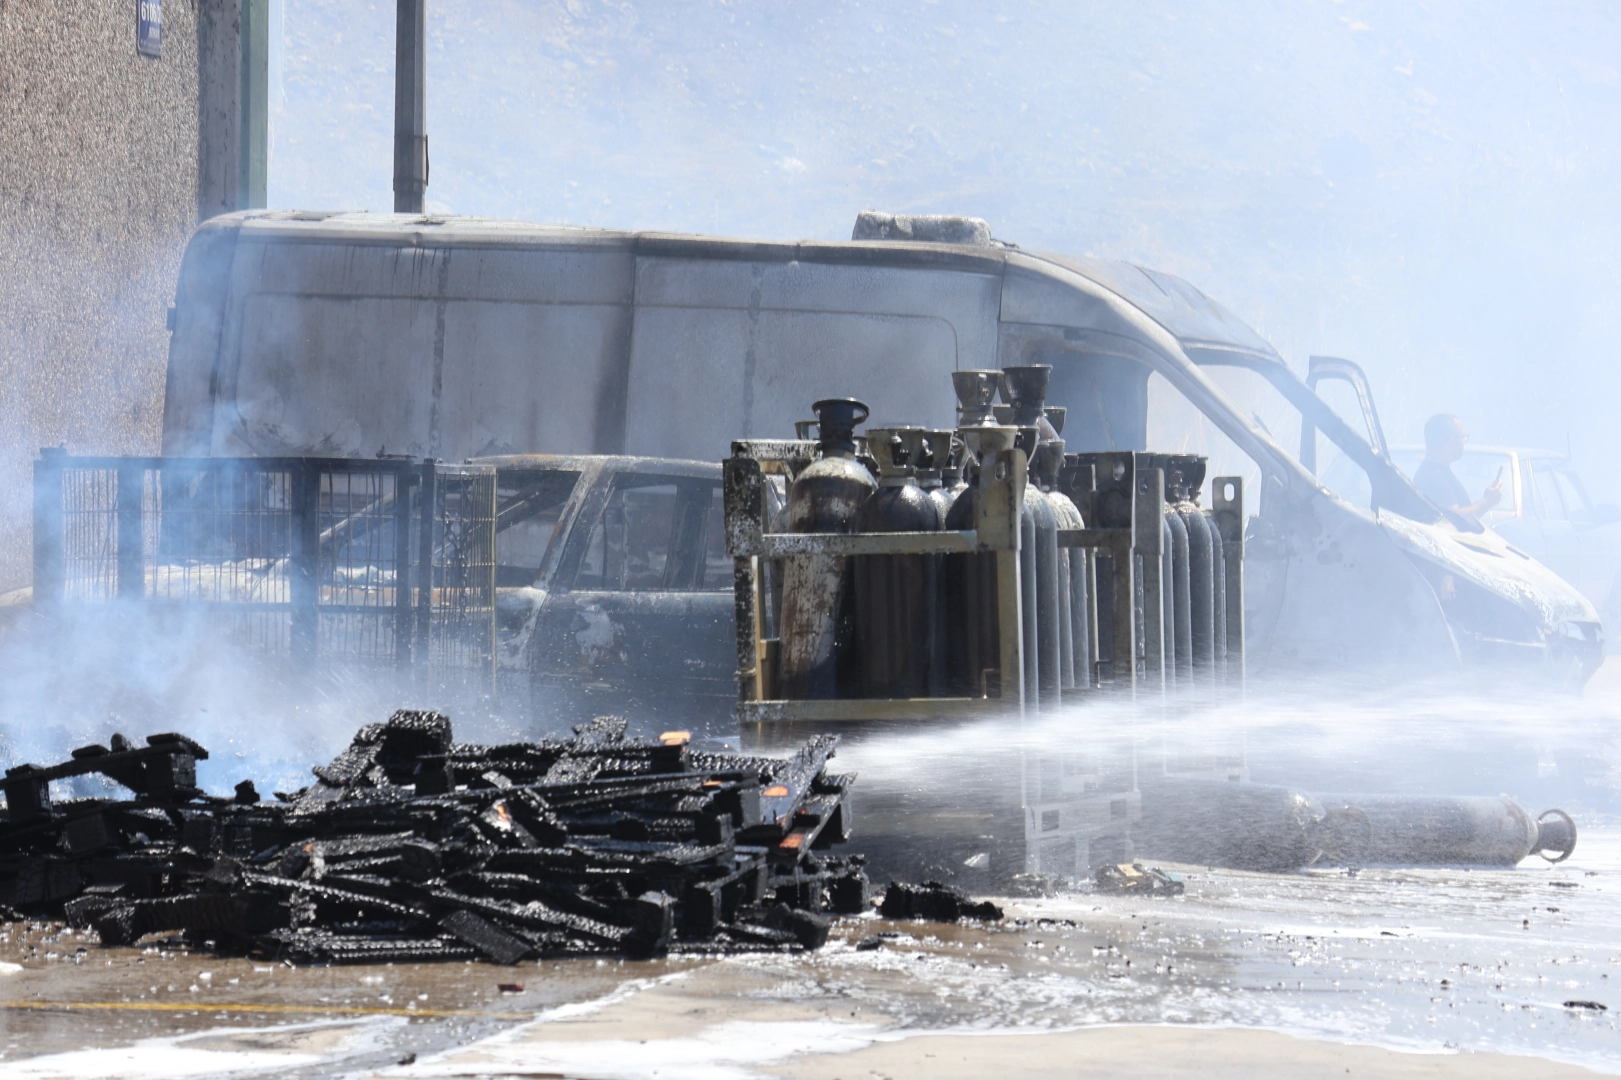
column 253, row 160
column 1123, row 659
column 1001, row 500
column 404, row 614
column 428, row 515
column 131, row 561
column 1150, row 528
column 50, row 576
column 305, row 583
column 1227, row 508
column 745, row 509
column 410, row 106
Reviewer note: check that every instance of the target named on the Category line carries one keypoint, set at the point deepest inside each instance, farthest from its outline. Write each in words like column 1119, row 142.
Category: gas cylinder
column 1071, row 578
column 935, row 467
column 1179, row 631
column 817, row 620
column 943, row 455
column 1218, row 575
column 1236, row 825
column 1167, row 593
column 1033, row 513
column 1261, row 827
column 953, row 477
column 973, row 635
column 1024, row 388
column 976, row 390
column 1077, row 662
column 1038, row 570
column 1184, row 474
column 895, row 595
column 1409, row 830
column 1077, row 482
column 1192, row 470
column 973, row 644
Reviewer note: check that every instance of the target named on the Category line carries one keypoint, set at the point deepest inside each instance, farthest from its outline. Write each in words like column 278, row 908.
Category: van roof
column 1194, row 319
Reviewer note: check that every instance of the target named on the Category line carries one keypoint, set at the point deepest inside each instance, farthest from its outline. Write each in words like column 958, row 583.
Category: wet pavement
column 1433, row 961
column 63, row 995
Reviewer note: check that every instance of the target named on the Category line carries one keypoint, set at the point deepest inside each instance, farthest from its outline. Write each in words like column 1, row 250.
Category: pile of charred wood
column 412, row 847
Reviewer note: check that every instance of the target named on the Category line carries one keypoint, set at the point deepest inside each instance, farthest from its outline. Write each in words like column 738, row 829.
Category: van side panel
column 450, row 351
column 533, row 378
column 1100, row 367
column 725, row 349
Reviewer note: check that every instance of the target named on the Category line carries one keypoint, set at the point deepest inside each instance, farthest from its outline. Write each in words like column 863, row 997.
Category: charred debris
column 934, row 902
column 412, row 847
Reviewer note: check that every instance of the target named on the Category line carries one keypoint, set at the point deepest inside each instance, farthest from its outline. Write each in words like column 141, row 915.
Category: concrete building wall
column 99, row 164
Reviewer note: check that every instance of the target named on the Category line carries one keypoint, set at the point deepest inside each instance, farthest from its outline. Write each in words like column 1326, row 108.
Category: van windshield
column 1269, row 395
column 1475, row 470
column 1176, row 425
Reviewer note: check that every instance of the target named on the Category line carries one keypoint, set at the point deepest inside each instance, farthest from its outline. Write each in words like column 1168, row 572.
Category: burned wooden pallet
column 410, row 846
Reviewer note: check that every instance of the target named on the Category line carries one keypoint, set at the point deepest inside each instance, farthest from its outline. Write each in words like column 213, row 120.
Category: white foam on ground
column 726, row 1051
column 159, row 1059
column 170, row 1057
column 510, row 1045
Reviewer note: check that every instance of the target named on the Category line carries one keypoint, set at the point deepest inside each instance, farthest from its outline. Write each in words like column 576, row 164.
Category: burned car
column 614, row 589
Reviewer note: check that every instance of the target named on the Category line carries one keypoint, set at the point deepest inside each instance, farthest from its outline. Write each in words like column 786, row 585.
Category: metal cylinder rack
column 1056, row 580
column 1099, row 575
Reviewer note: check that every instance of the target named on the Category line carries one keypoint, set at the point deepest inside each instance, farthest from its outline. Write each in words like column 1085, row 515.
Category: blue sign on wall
column 149, row 27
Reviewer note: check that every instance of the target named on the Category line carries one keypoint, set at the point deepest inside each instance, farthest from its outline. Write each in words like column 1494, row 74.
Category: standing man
column 1443, row 444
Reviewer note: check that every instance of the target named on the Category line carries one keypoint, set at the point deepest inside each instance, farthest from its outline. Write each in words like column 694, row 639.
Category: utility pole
column 253, row 162
column 410, row 106
column 233, row 95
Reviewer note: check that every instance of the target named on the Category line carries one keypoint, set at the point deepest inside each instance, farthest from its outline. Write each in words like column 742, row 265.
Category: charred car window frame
column 685, row 567
column 537, row 492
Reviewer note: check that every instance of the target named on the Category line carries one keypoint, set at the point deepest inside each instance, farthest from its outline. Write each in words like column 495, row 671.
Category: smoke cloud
column 1428, row 191
column 1424, row 189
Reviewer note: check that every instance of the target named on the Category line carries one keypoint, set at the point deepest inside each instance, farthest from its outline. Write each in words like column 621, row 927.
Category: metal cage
column 326, row 561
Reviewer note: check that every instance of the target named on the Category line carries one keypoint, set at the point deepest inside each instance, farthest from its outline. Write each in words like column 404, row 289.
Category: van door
column 1346, row 371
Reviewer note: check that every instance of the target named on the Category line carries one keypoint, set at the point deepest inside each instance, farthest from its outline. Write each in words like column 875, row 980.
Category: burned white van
column 359, row 334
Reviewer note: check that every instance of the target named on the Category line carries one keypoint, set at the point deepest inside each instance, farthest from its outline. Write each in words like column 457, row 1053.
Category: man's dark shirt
column 1437, row 483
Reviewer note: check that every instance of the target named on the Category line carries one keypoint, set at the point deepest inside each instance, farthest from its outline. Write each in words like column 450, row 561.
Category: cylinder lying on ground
column 1233, row 825
column 1245, row 826
column 1401, row 830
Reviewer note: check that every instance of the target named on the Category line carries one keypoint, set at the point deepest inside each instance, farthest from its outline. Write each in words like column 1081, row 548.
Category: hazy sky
column 1430, row 189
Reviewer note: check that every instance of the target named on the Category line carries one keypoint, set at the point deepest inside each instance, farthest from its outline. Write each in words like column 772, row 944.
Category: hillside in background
column 1430, row 189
